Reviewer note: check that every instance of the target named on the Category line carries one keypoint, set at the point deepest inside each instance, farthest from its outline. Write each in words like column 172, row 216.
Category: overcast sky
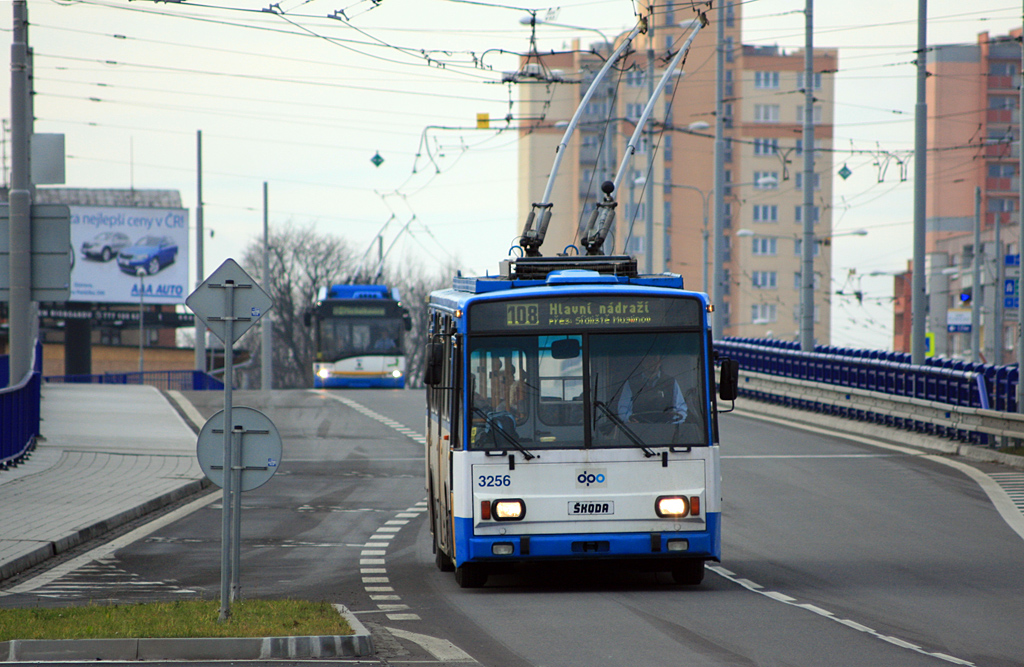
column 285, row 94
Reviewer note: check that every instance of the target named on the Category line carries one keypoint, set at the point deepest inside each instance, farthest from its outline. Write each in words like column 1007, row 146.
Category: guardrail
column 19, row 413
column 966, row 402
column 170, row 380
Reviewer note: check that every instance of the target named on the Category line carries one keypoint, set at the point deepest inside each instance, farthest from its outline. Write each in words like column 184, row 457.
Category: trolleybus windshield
column 588, row 389
column 347, row 335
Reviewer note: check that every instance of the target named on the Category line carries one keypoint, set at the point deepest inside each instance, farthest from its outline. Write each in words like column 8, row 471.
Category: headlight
column 671, row 506
column 508, row 510
column 324, row 373
column 396, row 373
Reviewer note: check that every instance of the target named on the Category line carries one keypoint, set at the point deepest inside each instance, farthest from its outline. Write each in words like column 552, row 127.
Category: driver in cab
column 651, row 395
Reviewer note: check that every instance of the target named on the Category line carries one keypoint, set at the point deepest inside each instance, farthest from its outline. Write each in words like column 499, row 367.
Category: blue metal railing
column 170, row 380
column 19, row 412
column 939, row 380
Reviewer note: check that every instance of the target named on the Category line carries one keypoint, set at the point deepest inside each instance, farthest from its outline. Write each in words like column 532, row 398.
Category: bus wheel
column 470, row 575
column 688, row 572
column 441, row 559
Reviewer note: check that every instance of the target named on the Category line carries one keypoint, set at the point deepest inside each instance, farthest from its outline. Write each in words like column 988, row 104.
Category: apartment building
column 672, row 170
column 973, row 149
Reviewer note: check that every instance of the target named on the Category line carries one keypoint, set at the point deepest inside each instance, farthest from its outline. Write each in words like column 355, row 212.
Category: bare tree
column 302, row 261
column 416, row 284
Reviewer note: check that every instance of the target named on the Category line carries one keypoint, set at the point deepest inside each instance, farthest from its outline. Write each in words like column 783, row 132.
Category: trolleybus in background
column 359, row 333
column 571, row 414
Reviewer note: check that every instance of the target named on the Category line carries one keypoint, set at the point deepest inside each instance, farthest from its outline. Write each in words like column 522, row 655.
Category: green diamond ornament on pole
column 377, row 160
column 845, row 172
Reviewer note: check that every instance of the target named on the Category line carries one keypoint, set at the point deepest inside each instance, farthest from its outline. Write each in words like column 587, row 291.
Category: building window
column 766, row 146
column 796, row 313
column 634, row 110
column 764, row 279
column 766, row 180
column 667, row 213
column 730, row 15
column 635, row 245
column 800, row 80
column 798, row 282
column 728, row 83
column 635, row 78
column 763, row 80
column 1002, row 102
column 765, row 246
column 996, row 170
column 801, row 112
column 798, row 248
column 1001, row 68
column 727, row 113
column 763, row 313
column 728, row 50
column 726, row 281
column 728, row 215
column 1001, row 204
column 798, row 213
column 669, row 14
column 766, row 213
column 800, row 180
column 766, row 113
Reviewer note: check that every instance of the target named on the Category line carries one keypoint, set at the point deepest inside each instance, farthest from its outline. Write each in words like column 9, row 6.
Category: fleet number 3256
column 494, row 480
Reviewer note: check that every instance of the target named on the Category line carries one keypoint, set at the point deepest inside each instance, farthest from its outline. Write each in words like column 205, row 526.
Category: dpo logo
column 589, row 478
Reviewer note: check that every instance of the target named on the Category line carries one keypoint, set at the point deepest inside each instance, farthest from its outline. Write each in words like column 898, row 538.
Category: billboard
column 120, row 251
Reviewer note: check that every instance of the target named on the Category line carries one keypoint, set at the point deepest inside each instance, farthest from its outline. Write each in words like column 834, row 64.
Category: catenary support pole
column 919, row 297
column 807, row 252
column 718, row 295
column 647, row 195
column 200, row 335
column 20, row 200
column 266, row 325
column 976, row 292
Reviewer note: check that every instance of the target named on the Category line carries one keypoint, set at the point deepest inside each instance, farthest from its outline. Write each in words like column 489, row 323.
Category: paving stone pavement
column 108, row 454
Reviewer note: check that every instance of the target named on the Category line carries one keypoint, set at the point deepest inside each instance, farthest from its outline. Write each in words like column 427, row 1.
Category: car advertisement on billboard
column 119, row 252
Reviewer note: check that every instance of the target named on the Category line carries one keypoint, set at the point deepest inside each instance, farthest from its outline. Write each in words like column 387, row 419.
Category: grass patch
column 182, row 618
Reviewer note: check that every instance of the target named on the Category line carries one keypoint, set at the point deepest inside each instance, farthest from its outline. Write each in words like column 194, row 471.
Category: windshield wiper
column 615, row 419
column 527, row 454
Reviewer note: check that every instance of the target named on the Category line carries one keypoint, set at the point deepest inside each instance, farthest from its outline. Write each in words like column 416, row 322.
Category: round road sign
column 260, row 442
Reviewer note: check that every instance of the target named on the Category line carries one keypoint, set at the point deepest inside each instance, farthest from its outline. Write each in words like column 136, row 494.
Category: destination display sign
column 585, row 312
column 359, row 311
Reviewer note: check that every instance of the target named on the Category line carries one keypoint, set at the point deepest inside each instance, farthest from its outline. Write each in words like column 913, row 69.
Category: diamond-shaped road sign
column 229, row 284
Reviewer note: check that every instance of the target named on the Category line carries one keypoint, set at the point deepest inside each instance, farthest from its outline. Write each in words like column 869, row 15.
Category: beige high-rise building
column 763, row 110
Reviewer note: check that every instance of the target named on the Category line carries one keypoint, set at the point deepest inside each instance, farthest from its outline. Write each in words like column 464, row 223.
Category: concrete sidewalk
column 108, row 454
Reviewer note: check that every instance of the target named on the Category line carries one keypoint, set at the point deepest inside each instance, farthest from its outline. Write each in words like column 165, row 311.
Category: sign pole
column 229, row 459
column 236, row 513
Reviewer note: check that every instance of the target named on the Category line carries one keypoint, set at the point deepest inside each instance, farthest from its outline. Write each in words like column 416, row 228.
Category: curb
column 978, row 453
column 357, row 645
column 91, row 531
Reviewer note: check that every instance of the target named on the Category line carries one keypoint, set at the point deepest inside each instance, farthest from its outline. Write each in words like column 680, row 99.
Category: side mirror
column 729, row 380
column 407, row 320
column 433, row 371
column 307, row 318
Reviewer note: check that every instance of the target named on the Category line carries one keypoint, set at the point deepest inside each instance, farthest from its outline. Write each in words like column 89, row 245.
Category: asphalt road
column 834, row 553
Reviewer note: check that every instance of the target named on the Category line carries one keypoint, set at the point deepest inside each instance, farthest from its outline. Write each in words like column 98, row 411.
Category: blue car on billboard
column 150, row 253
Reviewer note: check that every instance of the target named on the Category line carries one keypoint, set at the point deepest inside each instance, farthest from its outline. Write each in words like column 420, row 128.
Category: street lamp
column 141, row 273
column 533, row 21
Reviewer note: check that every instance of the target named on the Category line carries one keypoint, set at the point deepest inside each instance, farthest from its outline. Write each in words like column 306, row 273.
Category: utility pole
column 1020, row 237
column 19, row 310
column 648, row 195
column 718, row 297
column 976, row 282
column 919, row 297
column 807, row 257
column 266, row 326
column 200, row 355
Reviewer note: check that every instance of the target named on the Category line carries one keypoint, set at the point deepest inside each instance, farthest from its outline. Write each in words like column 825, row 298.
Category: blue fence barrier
column 19, row 412
column 940, row 380
column 171, row 380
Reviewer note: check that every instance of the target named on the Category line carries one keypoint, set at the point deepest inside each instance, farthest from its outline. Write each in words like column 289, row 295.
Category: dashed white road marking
column 824, row 613
column 442, row 649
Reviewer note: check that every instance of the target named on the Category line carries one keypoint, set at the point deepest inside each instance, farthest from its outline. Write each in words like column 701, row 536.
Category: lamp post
column 141, row 273
column 704, row 195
